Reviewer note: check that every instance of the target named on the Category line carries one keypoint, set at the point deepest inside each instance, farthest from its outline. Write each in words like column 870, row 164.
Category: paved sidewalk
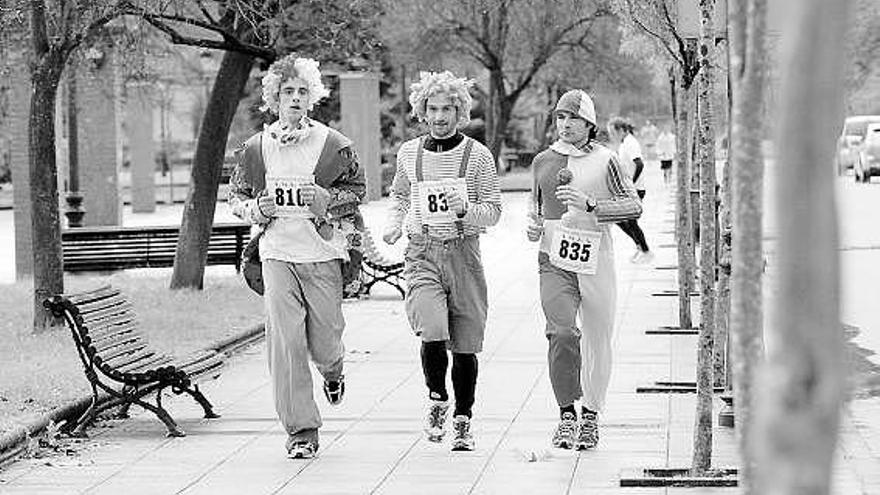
column 372, row 443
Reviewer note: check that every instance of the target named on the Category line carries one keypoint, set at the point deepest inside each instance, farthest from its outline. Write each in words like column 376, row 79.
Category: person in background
column 666, row 153
column 621, row 135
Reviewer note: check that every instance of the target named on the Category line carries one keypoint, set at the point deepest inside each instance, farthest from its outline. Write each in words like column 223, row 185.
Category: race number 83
column 437, row 202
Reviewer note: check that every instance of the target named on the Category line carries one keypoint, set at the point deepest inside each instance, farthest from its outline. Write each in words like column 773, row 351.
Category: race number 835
column 574, row 250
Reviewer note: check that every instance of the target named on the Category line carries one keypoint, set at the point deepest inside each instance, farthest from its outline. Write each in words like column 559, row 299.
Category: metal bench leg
column 127, row 390
column 158, row 410
column 87, row 417
column 397, row 285
column 203, row 401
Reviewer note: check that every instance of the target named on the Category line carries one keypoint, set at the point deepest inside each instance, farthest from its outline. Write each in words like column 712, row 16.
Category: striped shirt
column 484, row 193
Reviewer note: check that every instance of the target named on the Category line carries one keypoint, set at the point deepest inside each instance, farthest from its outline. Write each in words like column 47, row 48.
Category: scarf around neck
column 288, row 135
column 569, row 149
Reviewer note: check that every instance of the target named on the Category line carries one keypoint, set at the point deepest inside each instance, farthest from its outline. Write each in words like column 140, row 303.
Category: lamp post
column 74, row 198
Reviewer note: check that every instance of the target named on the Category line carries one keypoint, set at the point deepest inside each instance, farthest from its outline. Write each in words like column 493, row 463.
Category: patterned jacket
column 337, row 171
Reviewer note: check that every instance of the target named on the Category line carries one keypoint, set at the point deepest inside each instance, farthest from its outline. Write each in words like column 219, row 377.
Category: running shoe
column 588, row 432
column 463, row 439
column 566, row 432
column 435, row 422
column 643, row 258
column 304, row 449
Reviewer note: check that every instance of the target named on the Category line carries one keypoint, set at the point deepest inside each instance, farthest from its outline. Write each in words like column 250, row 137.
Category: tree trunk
column 683, row 229
column 746, row 28
column 722, row 293
column 198, row 212
column 803, row 388
column 43, row 175
column 496, row 121
column 702, row 458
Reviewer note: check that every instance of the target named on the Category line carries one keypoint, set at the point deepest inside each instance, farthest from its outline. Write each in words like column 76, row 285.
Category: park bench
column 379, row 268
column 116, row 248
column 119, row 361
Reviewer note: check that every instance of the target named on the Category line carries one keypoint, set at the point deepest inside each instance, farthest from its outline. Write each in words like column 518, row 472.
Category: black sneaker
column 588, row 432
column 334, row 390
column 566, row 432
column 462, row 439
column 305, row 449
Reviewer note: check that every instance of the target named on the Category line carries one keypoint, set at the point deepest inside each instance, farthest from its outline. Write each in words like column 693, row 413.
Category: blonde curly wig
column 291, row 67
column 433, row 83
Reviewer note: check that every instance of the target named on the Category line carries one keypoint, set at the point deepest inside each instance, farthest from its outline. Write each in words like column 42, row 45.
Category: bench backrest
column 108, row 337
column 93, row 248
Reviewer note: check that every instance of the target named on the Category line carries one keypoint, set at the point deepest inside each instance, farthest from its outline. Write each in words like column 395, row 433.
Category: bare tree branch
column 230, row 43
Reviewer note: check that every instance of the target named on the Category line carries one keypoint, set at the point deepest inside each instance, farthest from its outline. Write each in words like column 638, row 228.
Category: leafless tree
column 748, row 59
column 513, row 40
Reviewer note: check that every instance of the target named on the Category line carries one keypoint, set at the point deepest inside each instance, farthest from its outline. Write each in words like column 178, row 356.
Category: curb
column 15, row 442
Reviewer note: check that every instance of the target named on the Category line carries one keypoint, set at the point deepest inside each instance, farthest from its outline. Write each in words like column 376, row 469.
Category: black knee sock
column 464, row 382
column 435, row 360
column 567, row 409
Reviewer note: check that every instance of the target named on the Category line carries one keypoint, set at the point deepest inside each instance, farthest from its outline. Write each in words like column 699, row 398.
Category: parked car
column 867, row 162
column 851, row 138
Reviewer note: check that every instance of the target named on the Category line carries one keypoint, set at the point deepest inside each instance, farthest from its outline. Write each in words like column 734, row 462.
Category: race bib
column 287, row 192
column 575, row 250
column 433, row 196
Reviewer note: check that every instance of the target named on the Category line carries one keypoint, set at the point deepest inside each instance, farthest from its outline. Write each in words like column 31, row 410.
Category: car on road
column 867, row 162
column 850, row 140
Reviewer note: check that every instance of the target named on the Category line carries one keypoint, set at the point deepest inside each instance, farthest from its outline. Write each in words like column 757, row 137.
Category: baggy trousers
column 579, row 359
column 303, row 319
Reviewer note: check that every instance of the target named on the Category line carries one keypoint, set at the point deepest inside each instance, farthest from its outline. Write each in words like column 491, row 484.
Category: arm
column 242, row 195
column 485, row 209
column 535, row 227
column 349, row 189
column 624, row 202
column 400, row 196
column 639, row 167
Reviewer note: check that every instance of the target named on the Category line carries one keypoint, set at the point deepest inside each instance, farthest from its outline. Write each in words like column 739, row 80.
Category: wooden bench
column 379, row 268
column 116, row 248
column 119, row 361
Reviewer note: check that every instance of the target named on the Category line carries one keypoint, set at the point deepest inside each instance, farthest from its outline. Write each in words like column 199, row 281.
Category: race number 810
column 575, row 251
column 287, row 197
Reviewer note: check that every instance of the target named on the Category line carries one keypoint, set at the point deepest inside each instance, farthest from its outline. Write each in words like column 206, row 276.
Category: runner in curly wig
column 291, row 67
column 432, row 83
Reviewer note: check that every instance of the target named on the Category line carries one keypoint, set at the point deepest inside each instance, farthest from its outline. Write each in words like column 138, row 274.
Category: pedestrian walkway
column 372, row 443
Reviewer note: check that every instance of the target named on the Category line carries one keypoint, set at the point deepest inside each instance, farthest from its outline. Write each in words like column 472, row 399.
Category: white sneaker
column 463, row 438
column 643, row 258
column 635, row 256
column 435, row 422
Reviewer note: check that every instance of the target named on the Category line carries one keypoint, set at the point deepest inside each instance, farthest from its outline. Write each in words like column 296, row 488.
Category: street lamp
column 74, row 197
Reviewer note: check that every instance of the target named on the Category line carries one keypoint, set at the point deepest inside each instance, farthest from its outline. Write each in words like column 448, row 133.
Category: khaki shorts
column 446, row 296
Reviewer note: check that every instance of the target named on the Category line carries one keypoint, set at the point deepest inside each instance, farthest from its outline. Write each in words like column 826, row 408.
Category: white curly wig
column 291, row 67
column 433, row 83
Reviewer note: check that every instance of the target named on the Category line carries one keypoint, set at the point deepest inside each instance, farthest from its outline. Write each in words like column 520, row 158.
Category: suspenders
column 462, row 169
